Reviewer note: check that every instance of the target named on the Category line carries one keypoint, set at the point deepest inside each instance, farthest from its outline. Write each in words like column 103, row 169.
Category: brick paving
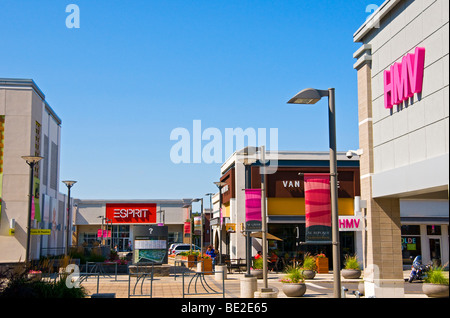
column 172, row 287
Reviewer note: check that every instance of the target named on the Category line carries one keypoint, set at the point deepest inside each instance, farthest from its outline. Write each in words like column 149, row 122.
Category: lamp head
column 308, row 96
column 32, row 159
column 69, row 183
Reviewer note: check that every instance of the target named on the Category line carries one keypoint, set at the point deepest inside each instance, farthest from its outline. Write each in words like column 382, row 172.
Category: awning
column 268, row 236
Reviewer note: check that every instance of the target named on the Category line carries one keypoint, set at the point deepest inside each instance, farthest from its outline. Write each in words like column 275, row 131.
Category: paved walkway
column 172, row 287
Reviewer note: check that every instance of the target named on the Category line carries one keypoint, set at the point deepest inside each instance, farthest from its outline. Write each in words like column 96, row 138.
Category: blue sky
column 136, row 70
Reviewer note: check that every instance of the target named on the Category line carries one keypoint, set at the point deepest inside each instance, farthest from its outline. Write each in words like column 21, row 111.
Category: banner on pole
column 318, row 207
column 253, row 220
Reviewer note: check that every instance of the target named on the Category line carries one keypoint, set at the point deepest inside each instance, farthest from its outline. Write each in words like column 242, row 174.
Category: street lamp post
column 31, row 161
column 247, row 161
column 201, row 231
column 210, row 217
column 248, row 158
column 312, row 96
column 220, row 184
column 69, row 184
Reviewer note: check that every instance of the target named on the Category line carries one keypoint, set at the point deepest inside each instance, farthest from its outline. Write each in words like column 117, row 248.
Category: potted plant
column 205, row 265
column 293, row 282
column 321, row 263
column 257, row 268
column 309, row 266
column 352, row 268
column 436, row 284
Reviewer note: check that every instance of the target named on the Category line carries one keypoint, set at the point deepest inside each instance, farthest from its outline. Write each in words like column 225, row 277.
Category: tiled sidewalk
column 171, row 287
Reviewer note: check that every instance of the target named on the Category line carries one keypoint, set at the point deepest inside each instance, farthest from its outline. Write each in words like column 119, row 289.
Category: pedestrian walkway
column 172, row 287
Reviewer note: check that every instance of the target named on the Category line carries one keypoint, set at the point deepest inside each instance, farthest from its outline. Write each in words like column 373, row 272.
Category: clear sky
column 136, row 70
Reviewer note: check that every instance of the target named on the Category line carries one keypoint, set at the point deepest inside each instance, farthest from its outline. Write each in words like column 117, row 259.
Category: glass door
column 435, row 251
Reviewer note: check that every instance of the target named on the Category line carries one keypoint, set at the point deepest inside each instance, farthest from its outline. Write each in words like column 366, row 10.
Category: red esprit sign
column 131, row 212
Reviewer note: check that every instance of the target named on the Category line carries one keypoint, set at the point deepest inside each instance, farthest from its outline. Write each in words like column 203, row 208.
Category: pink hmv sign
column 404, row 79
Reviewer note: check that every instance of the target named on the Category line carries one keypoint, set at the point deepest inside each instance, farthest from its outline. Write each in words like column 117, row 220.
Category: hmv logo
column 404, row 79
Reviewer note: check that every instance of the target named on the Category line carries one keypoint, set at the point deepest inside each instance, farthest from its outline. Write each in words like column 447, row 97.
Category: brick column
column 383, row 273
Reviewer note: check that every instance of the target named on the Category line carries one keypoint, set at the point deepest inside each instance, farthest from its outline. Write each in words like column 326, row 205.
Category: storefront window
column 433, row 229
column 292, row 234
column 88, row 239
column 121, row 238
column 411, row 245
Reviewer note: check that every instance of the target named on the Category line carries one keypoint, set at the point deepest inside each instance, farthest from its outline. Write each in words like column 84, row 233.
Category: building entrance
column 435, row 251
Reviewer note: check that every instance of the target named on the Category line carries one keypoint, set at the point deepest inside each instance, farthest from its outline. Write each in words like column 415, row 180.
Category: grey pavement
column 172, row 287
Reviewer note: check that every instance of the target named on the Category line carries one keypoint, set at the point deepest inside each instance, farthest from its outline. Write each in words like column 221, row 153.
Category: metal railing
column 206, row 289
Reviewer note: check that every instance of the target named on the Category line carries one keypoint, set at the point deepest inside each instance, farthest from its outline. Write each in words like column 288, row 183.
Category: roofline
column 183, row 201
column 371, row 22
column 24, row 83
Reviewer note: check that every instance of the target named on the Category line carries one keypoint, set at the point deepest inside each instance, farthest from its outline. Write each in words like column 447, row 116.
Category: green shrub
column 293, row 275
column 309, row 262
column 436, row 276
column 351, row 262
column 22, row 287
column 258, row 263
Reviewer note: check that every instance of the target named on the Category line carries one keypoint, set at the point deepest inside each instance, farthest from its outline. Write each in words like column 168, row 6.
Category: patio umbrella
column 268, row 236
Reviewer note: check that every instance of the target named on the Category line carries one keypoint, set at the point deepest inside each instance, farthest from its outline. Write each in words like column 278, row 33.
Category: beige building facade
column 403, row 104
column 29, row 126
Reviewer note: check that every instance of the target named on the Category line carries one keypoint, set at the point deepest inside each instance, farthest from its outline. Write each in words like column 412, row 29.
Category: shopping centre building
column 285, row 197
column 403, row 104
column 29, row 127
column 146, row 227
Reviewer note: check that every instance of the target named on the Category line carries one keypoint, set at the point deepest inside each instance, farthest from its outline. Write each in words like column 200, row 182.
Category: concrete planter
column 309, row 274
column 294, row 289
column 258, row 273
column 351, row 273
column 361, row 288
column 435, row 290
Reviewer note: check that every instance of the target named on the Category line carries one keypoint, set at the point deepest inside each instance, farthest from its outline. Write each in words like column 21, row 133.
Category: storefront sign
column 404, row 79
column 131, row 212
column 291, row 183
column 230, row 227
column 317, row 207
column 350, row 223
column 409, row 243
column 40, row 232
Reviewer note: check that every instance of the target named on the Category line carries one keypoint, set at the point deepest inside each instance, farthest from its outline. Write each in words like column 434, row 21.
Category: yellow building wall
column 226, row 210
column 296, row 206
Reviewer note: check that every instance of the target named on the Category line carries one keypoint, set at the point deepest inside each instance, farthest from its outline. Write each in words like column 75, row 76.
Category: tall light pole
column 312, row 96
column 220, row 184
column 31, row 161
column 69, row 184
column 201, row 231
column 210, row 217
column 246, row 157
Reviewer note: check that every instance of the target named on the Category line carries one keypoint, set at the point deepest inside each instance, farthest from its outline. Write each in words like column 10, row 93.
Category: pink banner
column 187, row 227
column 106, row 233
column 33, row 210
column 252, row 205
column 317, row 207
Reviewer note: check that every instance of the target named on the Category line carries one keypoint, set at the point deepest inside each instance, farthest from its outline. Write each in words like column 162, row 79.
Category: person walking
column 211, row 253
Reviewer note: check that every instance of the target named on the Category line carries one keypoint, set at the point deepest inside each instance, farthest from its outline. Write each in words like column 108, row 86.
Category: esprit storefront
column 403, row 105
column 285, row 197
column 148, row 226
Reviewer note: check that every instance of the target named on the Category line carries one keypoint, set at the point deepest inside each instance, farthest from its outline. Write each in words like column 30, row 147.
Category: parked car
column 184, row 248
column 172, row 246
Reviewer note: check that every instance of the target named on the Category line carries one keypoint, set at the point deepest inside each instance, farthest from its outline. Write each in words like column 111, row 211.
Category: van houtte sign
column 131, row 212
